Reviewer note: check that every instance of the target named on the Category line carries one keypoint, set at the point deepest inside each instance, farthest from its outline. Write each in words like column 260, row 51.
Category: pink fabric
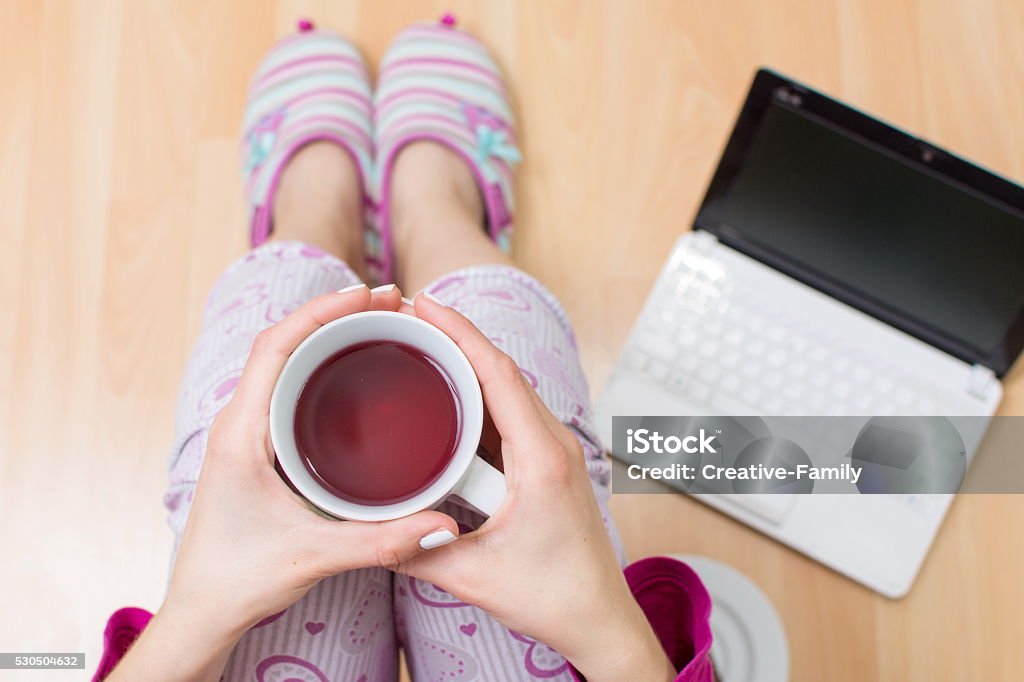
column 463, row 80
column 333, row 103
column 123, row 627
column 426, row 93
column 485, row 74
column 678, row 607
column 526, row 321
column 670, row 594
column 311, row 59
column 321, row 94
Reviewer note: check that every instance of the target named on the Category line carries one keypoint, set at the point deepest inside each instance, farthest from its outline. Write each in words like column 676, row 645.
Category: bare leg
column 319, row 202
column 437, row 216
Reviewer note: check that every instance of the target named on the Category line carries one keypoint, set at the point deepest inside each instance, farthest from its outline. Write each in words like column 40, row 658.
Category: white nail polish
column 433, row 298
column 437, row 539
column 351, row 288
column 407, row 301
column 382, row 289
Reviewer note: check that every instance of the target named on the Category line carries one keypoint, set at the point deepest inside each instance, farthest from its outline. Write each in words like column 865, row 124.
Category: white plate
column 749, row 639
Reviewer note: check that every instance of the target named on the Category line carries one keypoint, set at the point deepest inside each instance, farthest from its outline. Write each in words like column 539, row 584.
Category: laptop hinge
column 980, row 381
column 703, row 242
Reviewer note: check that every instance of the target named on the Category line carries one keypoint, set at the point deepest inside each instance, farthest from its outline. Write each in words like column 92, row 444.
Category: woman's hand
column 543, row 565
column 251, row 546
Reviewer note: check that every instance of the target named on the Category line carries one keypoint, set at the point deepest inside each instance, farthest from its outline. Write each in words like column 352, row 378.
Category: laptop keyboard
column 723, row 348
column 732, row 351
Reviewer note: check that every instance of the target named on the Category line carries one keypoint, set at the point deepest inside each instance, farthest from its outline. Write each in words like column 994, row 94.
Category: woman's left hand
column 543, row 565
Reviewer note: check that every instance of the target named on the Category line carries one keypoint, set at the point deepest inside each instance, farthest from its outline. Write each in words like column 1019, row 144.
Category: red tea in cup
column 377, row 423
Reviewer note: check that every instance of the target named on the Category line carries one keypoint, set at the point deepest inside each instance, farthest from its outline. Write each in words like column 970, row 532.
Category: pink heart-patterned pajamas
column 350, row 627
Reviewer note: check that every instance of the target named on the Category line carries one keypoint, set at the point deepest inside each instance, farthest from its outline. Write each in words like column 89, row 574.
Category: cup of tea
column 377, row 415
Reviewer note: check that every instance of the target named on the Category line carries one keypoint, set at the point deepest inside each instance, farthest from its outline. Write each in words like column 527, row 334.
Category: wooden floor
column 120, row 202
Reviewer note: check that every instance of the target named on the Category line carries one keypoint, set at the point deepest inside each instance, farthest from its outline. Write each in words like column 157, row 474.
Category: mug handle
column 482, row 487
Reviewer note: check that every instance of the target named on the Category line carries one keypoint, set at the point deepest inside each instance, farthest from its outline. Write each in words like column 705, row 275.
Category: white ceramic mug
column 467, row 476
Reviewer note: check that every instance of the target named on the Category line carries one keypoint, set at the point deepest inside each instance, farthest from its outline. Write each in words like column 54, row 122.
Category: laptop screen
column 861, row 220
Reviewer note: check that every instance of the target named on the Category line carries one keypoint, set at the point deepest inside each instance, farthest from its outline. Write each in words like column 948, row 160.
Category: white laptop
column 837, row 266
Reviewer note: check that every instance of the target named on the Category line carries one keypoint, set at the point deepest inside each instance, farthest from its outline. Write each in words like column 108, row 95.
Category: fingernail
column 351, row 288
column 433, row 298
column 407, row 301
column 382, row 289
column 437, row 539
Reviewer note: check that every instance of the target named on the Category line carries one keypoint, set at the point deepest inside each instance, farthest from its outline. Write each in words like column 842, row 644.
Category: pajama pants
column 349, row 627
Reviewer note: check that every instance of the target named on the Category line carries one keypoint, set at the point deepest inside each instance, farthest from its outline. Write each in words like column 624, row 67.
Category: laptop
column 837, row 266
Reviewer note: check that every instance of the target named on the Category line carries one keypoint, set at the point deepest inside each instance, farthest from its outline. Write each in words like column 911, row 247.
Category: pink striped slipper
column 313, row 85
column 440, row 83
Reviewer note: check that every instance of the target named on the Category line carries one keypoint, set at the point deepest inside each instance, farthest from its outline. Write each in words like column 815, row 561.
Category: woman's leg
column 441, row 247
column 319, row 202
column 343, row 628
column 436, row 216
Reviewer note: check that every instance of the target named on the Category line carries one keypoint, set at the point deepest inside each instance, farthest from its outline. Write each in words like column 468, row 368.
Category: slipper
column 439, row 83
column 313, row 85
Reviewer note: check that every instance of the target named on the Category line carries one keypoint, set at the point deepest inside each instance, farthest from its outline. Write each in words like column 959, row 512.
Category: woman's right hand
column 251, row 546
column 543, row 565
column 250, row 542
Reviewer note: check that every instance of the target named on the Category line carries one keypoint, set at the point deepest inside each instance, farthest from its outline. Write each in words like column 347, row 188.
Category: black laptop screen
column 873, row 225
